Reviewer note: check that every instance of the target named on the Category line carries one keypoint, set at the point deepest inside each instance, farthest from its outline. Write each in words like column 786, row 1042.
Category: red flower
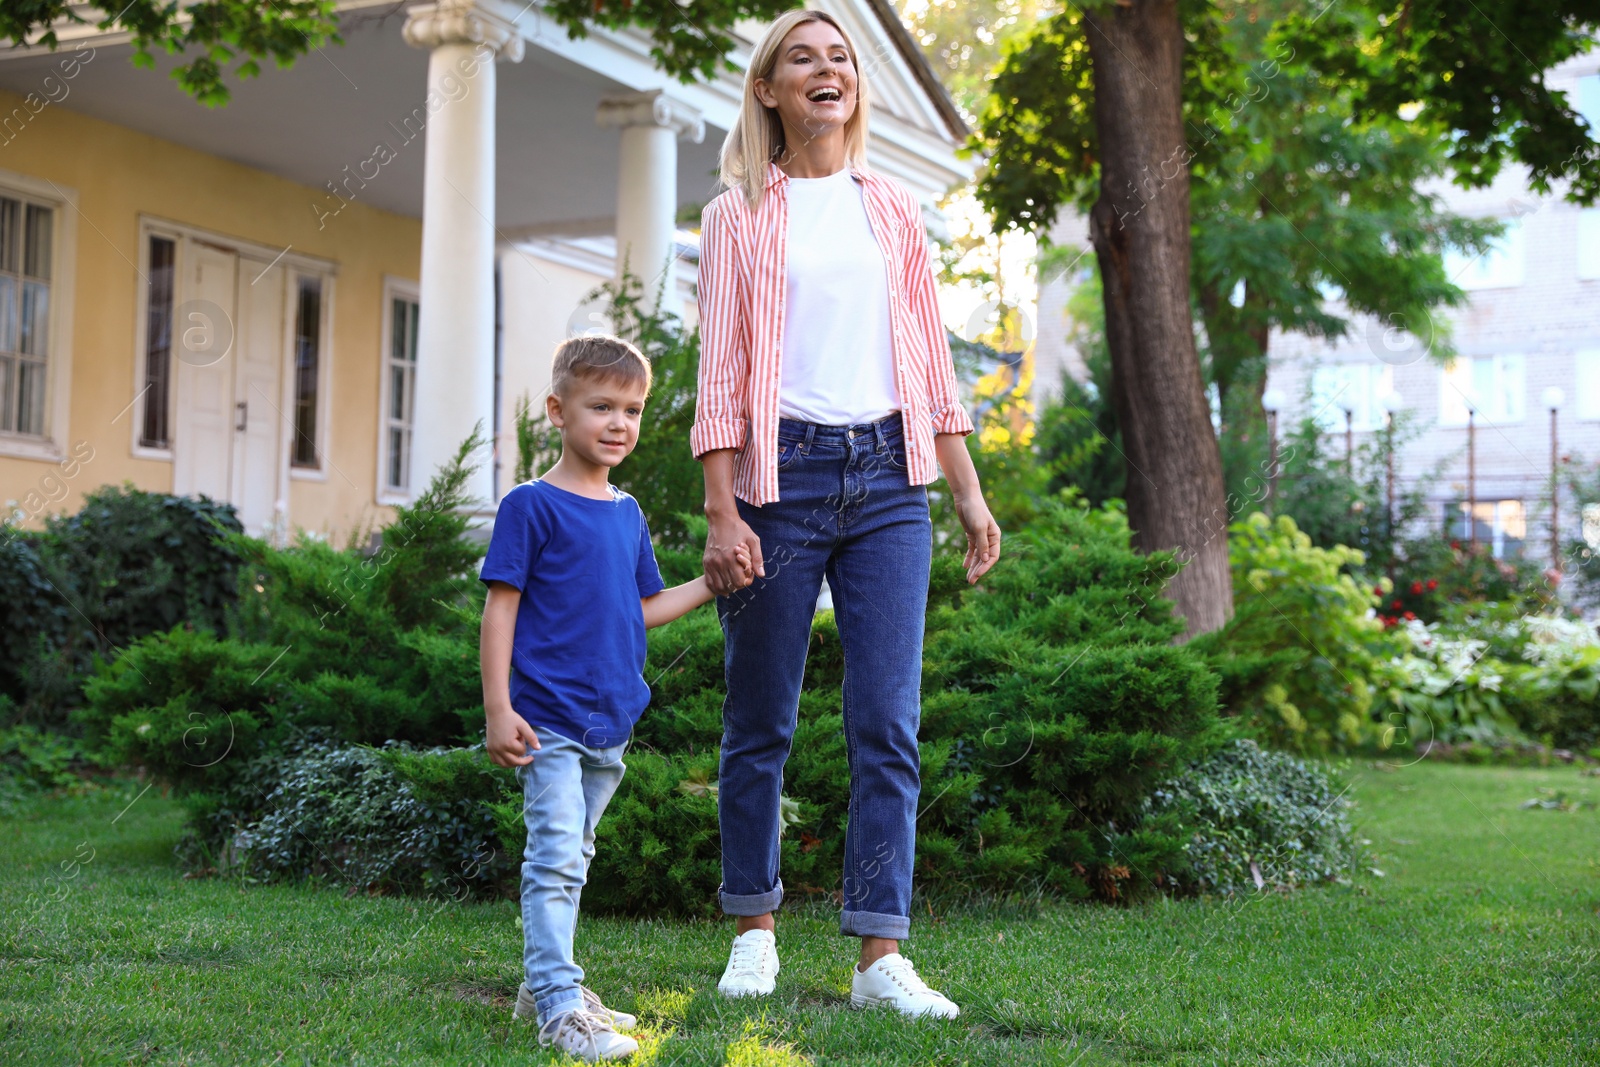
column 1456, row 545
column 1377, row 591
column 1411, row 616
column 1396, row 605
column 1416, row 587
column 1433, row 583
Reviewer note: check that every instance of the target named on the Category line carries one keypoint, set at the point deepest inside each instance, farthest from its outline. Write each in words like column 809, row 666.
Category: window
column 400, row 376
column 155, row 430
column 1490, row 385
column 303, row 451
column 1501, row 524
column 1359, row 387
column 26, row 244
column 1589, row 243
column 1589, row 383
column 1588, row 101
column 1500, row 266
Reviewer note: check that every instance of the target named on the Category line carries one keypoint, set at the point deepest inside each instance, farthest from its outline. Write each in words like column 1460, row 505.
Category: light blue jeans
column 564, row 792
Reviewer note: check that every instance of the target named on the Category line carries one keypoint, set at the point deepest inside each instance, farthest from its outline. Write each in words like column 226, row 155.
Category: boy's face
column 598, row 418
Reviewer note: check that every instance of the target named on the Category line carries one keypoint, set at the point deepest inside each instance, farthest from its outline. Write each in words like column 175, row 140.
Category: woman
column 827, row 395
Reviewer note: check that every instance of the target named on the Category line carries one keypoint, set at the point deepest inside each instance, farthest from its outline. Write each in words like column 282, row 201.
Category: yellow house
column 302, row 302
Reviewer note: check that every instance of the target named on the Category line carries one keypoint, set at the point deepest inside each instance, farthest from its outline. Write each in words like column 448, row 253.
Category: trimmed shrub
column 1257, row 819
column 348, row 816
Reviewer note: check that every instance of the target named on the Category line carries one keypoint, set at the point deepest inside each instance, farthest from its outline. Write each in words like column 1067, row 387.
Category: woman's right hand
column 725, row 572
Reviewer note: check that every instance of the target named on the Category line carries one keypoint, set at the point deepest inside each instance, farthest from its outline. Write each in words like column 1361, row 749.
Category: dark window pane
column 36, row 260
column 397, row 472
column 10, row 233
column 158, row 343
column 307, row 356
column 30, row 396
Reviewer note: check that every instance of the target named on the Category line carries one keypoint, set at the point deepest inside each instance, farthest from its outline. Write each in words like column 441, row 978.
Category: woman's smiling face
column 813, row 83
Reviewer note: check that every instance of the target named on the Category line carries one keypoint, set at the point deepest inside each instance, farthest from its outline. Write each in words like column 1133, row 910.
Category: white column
column 647, row 184
column 455, row 331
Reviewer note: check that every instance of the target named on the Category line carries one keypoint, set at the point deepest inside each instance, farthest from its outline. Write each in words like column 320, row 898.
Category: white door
column 258, row 456
column 203, row 350
column 228, row 340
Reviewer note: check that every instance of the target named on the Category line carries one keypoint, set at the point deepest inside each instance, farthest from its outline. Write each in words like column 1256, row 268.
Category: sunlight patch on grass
column 750, row 1050
column 662, row 1007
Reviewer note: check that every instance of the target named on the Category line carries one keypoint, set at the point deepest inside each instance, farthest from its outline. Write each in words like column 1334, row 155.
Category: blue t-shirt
column 577, row 662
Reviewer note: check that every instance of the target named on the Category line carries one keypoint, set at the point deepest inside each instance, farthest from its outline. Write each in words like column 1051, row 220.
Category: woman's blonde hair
column 757, row 137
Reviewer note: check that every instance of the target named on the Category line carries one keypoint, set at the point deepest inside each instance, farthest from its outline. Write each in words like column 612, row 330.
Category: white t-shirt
column 838, row 352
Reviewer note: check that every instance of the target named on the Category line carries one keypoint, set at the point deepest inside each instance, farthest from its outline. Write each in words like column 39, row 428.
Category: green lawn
column 1477, row 946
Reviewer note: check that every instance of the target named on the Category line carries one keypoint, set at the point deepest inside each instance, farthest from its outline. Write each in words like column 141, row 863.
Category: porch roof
column 557, row 170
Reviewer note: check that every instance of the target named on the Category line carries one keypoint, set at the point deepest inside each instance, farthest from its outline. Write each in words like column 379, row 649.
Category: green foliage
column 1258, row 820
column 366, row 648
column 36, row 759
column 1339, row 500
column 1052, row 702
column 128, row 563
column 347, row 815
column 685, row 42
column 1300, row 655
column 213, row 33
column 1479, row 66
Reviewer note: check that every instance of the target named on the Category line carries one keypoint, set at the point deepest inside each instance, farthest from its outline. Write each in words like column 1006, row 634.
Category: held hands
column 983, row 534
column 509, row 737
column 732, row 557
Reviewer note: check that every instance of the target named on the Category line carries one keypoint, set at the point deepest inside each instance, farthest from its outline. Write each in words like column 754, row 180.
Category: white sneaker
column 527, row 1009
column 892, row 981
column 587, row 1036
column 753, row 966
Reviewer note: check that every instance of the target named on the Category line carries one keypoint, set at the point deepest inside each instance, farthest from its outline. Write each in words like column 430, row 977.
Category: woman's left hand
column 983, row 534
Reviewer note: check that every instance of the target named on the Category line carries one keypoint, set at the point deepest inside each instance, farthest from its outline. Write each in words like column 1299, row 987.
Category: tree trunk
column 1140, row 230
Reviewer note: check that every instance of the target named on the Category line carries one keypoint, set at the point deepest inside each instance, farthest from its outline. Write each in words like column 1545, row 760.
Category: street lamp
column 1349, row 439
column 1553, row 398
column 1472, row 475
column 1391, row 403
column 1272, row 402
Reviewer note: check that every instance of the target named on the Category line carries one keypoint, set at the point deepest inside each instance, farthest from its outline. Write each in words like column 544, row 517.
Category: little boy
column 573, row 585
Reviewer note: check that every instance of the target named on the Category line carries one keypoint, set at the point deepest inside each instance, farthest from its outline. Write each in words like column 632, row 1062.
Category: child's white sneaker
column 587, row 1036
column 891, row 981
column 527, row 1008
column 752, row 966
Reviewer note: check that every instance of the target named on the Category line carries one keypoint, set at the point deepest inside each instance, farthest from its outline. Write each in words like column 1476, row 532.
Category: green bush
column 1258, row 820
column 35, row 760
column 349, row 816
column 127, row 564
column 1053, row 701
column 1303, row 659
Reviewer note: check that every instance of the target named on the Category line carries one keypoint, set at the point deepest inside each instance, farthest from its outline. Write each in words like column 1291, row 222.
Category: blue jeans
column 847, row 512
column 564, row 791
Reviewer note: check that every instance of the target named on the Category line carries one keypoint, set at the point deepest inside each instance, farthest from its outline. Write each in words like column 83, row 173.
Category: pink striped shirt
column 743, row 268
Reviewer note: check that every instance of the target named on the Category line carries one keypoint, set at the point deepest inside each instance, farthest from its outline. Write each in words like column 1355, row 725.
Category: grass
column 1477, row 946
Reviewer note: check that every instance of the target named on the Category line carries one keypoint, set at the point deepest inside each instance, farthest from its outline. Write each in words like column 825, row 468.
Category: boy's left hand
column 741, row 553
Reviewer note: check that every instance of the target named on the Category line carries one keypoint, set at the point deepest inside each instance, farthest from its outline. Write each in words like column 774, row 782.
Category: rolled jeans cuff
column 558, row 1004
column 751, row 903
column 874, row 924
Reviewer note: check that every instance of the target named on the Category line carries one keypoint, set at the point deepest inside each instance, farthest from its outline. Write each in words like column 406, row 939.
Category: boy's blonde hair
column 598, row 356
column 757, row 137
